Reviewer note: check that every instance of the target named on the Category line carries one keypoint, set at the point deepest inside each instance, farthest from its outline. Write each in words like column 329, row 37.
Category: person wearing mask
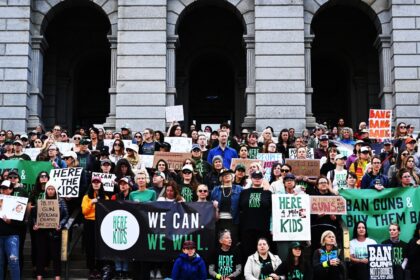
column 227, row 197
column 399, row 250
column 295, row 267
column 263, row 263
column 226, row 263
column 314, row 141
column 189, row 265
column 255, row 213
column 95, row 193
column 223, row 150
column 326, row 260
column 9, row 239
column 375, row 179
column 49, row 239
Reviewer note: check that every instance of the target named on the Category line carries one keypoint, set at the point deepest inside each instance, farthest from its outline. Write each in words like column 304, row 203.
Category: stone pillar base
column 249, row 123
column 33, row 121
column 310, row 121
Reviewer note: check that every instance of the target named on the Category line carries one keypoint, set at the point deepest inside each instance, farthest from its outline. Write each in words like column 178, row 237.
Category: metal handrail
column 66, row 248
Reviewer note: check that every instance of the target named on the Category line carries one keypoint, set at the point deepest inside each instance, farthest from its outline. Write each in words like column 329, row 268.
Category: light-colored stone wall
column 405, row 53
column 280, row 64
column 14, row 63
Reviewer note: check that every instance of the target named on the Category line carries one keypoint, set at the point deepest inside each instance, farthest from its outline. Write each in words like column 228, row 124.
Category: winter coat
column 186, row 268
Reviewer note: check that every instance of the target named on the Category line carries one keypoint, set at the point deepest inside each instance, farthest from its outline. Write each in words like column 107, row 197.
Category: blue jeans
column 121, row 266
column 9, row 247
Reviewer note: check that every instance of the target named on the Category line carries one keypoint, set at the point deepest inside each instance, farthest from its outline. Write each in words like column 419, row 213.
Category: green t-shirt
column 143, row 196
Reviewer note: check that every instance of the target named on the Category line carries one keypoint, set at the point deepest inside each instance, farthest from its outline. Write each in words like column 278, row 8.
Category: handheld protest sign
column 291, row 217
column 174, row 160
column 268, row 160
column 245, row 162
column 13, row 207
column 380, row 262
column 309, row 153
column 47, row 213
column 174, row 113
column 107, row 180
column 304, row 167
column 179, row 144
column 380, row 122
column 328, row 205
column 67, row 180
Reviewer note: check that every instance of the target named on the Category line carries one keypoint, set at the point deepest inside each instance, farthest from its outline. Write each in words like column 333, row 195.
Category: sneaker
column 158, row 274
column 152, row 274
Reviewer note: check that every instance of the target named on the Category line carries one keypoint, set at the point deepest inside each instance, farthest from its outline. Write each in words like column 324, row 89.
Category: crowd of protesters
column 242, row 204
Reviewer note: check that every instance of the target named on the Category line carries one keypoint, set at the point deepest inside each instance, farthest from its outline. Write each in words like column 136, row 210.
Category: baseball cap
column 70, row 154
column 106, row 161
column 240, row 166
column 289, row 176
column 195, row 147
column 257, row 174
column 161, row 174
column 296, row 244
column 18, row 142
column 340, row 156
column 24, row 136
column 407, row 141
column 85, row 141
column 124, row 179
column 188, row 167
column 387, row 142
column 225, row 171
column 323, row 137
column 364, row 149
column 6, row 184
column 133, row 147
column 97, row 178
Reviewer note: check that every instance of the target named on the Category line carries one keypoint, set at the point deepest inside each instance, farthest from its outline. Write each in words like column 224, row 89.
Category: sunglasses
column 117, row 144
column 43, row 176
column 203, row 191
column 402, row 126
column 365, row 152
column 404, row 154
column 13, row 177
column 285, row 170
column 186, row 172
column 138, row 136
column 77, row 138
column 2, row 134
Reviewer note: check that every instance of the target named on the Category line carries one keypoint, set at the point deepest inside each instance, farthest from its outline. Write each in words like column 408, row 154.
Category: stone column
column 310, row 120
column 170, row 70
column 110, row 120
column 39, row 45
column 249, row 121
column 383, row 44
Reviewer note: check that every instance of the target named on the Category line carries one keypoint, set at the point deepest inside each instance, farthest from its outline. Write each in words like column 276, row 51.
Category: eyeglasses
column 203, row 191
column 285, row 170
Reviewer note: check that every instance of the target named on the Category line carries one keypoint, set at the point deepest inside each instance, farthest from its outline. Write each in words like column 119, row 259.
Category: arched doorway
column 76, row 65
column 345, row 66
column 211, row 63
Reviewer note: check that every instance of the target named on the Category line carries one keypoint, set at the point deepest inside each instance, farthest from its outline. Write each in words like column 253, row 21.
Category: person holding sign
column 375, row 179
column 399, row 250
column 262, row 264
column 326, row 260
column 49, row 239
column 95, row 193
column 9, row 239
column 359, row 267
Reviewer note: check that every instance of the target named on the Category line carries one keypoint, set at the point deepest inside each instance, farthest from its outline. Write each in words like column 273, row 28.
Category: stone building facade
column 283, row 63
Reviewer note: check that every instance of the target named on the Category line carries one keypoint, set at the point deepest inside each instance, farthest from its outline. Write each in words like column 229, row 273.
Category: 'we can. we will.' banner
column 378, row 209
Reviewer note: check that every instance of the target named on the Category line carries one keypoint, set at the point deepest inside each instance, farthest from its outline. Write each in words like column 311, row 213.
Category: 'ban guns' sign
column 67, row 180
column 291, row 217
column 328, row 205
column 380, row 262
column 152, row 231
column 380, row 124
column 379, row 209
column 47, row 213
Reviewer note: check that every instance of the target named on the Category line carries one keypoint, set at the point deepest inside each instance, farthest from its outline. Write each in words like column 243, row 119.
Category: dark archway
column 211, row 63
column 345, row 66
column 76, row 65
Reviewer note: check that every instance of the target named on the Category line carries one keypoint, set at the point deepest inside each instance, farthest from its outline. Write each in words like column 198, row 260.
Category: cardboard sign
column 13, row 207
column 32, row 152
column 179, row 144
column 268, row 160
column 380, row 262
column 108, row 180
column 246, row 162
column 47, row 213
column 174, row 160
column 68, row 180
column 174, row 113
column 64, row 146
column 291, row 217
column 309, row 153
column 304, row 167
column 380, row 122
column 147, row 160
column 328, row 205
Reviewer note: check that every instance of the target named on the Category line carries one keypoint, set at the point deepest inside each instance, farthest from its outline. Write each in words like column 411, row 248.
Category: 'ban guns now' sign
column 380, row 262
column 47, row 213
column 152, row 231
column 291, row 217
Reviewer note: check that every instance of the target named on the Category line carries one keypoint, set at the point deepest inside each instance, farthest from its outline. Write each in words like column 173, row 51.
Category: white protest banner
column 291, row 217
column 64, row 146
column 309, row 153
column 179, row 144
column 33, row 153
column 47, row 213
column 268, row 160
column 380, row 122
column 147, row 160
column 174, row 113
column 13, row 207
column 380, row 261
column 108, row 180
column 67, row 180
